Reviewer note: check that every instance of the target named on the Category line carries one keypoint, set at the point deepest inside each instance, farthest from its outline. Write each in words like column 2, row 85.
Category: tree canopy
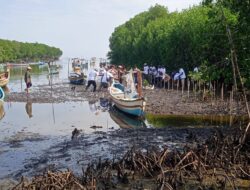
column 13, row 51
column 194, row 37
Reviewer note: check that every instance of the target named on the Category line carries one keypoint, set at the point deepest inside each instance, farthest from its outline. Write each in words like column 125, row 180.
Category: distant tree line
column 13, row 51
column 194, row 37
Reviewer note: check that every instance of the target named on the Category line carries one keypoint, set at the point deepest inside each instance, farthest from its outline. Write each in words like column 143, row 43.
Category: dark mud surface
column 83, row 149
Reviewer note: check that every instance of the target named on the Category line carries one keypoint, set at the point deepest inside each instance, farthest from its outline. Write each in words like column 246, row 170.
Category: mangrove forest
column 13, row 51
column 210, row 36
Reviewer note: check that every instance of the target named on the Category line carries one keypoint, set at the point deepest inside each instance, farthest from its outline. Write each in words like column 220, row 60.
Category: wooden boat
column 2, row 113
column 127, row 100
column 1, row 94
column 4, row 78
column 76, row 76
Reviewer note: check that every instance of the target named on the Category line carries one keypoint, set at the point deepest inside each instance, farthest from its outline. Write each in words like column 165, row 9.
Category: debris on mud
column 221, row 162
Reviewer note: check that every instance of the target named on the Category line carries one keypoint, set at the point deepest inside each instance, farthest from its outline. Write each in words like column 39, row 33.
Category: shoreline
column 159, row 101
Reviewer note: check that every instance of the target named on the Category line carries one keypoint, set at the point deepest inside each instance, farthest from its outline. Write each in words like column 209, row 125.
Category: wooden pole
column 177, row 85
column 139, row 87
column 222, row 91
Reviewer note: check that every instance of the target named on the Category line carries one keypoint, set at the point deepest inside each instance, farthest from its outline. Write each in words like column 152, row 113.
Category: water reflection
column 195, row 120
column 2, row 113
column 28, row 108
column 124, row 120
column 39, row 75
column 104, row 104
column 93, row 107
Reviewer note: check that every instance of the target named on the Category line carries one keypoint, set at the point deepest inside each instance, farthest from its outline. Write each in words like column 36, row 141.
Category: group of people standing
column 154, row 75
column 106, row 74
column 157, row 75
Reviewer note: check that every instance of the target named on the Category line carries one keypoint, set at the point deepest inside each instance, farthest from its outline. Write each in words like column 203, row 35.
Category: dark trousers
column 93, row 83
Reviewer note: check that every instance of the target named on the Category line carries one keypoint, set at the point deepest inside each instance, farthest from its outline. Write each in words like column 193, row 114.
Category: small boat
column 127, row 100
column 1, row 94
column 2, row 113
column 76, row 76
column 41, row 63
column 4, row 78
column 18, row 64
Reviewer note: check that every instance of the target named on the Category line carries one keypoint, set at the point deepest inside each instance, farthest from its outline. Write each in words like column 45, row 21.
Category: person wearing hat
column 27, row 79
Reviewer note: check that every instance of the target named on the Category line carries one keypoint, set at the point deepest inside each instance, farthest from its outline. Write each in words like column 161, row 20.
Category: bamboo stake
column 222, row 91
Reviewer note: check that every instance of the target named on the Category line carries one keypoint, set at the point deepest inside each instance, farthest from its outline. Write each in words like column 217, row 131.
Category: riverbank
column 159, row 101
column 79, row 151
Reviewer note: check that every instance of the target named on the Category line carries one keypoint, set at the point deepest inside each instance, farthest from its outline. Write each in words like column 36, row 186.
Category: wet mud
column 77, row 150
column 159, row 101
column 144, row 158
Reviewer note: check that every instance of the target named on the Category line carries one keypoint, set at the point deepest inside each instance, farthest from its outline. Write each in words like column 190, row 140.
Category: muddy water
column 26, row 128
column 34, row 136
column 39, row 75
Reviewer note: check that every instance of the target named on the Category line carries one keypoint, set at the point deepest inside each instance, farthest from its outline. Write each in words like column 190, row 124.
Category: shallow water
column 33, row 130
column 27, row 129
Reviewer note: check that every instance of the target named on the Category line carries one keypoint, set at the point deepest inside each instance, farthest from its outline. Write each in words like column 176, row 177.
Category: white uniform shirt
column 145, row 69
column 182, row 74
column 92, row 75
column 106, row 76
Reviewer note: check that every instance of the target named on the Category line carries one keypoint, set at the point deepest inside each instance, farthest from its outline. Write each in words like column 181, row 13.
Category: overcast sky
column 80, row 28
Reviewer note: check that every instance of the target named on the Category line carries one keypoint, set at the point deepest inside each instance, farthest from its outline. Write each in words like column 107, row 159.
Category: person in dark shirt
column 27, row 79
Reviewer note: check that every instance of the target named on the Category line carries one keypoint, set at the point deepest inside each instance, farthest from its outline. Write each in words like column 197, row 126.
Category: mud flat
column 159, row 101
column 143, row 159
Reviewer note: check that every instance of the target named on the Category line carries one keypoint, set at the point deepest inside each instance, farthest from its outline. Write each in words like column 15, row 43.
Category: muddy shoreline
column 81, row 150
column 159, row 101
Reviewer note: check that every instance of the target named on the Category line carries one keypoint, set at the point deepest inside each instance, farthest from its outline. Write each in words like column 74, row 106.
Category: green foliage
column 145, row 82
column 193, row 37
column 13, row 51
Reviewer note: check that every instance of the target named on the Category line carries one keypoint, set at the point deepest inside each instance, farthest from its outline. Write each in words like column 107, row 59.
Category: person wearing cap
column 27, row 79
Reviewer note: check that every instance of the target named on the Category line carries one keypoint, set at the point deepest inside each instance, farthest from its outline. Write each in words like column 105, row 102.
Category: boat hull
column 2, row 113
column 132, row 106
column 1, row 94
column 76, row 79
column 4, row 78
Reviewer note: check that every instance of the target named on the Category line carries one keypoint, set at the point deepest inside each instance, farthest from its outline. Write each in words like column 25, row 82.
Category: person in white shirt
column 105, row 78
column 181, row 76
column 91, row 79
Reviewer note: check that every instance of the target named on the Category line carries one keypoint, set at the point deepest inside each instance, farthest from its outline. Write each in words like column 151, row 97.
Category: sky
column 80, row 28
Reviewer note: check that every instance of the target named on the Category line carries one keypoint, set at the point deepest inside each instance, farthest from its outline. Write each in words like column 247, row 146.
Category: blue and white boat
column 1, row 94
